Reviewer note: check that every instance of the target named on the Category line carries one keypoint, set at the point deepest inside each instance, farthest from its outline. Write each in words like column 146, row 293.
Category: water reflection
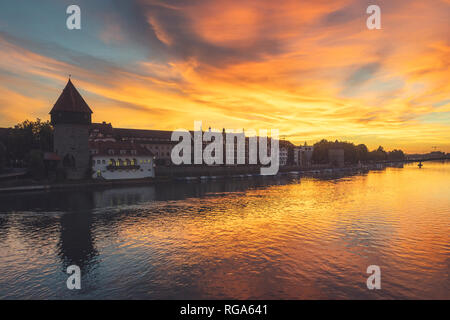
column 85, row 200
column 76, row 243
column 285, row 237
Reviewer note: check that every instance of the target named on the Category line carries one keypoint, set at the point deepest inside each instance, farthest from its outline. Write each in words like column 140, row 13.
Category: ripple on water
column 286, row 238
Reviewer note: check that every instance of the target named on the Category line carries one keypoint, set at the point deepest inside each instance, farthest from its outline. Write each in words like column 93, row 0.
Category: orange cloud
column 311, row 69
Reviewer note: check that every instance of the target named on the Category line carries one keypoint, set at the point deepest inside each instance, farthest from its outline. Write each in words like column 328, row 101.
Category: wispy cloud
column 310, row 68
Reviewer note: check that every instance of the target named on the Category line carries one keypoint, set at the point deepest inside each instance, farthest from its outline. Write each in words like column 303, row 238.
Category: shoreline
column 286, row 171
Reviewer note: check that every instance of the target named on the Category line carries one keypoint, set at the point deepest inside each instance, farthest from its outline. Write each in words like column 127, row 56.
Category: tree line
column 24, row 144
column 353, row 153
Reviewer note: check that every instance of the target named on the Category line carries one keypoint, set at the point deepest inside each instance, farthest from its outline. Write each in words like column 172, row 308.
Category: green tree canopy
column 353, row 153
column 29, row 135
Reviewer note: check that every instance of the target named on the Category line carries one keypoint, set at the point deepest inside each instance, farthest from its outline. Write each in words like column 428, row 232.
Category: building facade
column 121, row 160
column 71, row 120
column 303, row 155
column 158, row 142
column 100, row 151
column 286, row 153
column 94, row 150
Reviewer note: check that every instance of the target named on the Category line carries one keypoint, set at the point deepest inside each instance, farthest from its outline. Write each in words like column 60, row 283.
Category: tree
column 26, row 136
column 320, row 152
column 37, row 134
column 378, row 154
column 353, row 154
column 396, row 155
column 362, row 152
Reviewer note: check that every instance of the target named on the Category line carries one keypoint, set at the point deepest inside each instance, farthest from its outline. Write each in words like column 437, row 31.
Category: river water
column 272, row 238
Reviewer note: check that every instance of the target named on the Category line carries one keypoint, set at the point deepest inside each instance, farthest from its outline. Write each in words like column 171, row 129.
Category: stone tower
column 71, row 119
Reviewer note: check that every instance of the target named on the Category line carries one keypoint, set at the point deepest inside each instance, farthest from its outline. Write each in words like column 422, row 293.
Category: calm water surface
column 274, row 238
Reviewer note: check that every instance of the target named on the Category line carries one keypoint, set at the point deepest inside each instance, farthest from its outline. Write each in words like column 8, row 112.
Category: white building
column 156, row 141
column 121, row 160
column 283, row 155
column 303, row 155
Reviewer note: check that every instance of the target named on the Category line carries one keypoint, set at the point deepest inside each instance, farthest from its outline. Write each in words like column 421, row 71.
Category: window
column 122, row 152
column 111, row 151
column 103, row 161
column 98, row 161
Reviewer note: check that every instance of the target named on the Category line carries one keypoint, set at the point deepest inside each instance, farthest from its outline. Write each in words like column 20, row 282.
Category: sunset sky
column 311, row 69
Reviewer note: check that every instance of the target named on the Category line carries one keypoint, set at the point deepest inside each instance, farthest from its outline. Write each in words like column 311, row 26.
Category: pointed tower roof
column 71, row 100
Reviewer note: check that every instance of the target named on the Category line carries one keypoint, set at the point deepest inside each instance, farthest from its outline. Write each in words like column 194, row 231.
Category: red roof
column 160, row 135
column 103, row 148
column 51, row 156
column 102, row 127
column 71, row 100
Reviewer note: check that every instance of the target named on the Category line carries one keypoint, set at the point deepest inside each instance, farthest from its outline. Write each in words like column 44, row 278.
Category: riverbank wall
column 192, row 174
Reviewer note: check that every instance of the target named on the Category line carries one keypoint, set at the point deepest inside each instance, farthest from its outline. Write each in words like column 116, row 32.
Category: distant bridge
column 417, row 159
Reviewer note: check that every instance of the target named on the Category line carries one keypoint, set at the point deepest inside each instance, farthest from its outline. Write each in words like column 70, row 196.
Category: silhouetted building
column 286, row 153
column 71, row 119
column 303, row 155
column 99, row 150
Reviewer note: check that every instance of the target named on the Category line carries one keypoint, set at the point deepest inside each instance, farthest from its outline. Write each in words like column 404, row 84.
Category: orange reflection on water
column 311, row 238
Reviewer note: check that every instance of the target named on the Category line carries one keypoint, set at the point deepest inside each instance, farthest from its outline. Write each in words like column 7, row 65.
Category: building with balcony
column 113, row 160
